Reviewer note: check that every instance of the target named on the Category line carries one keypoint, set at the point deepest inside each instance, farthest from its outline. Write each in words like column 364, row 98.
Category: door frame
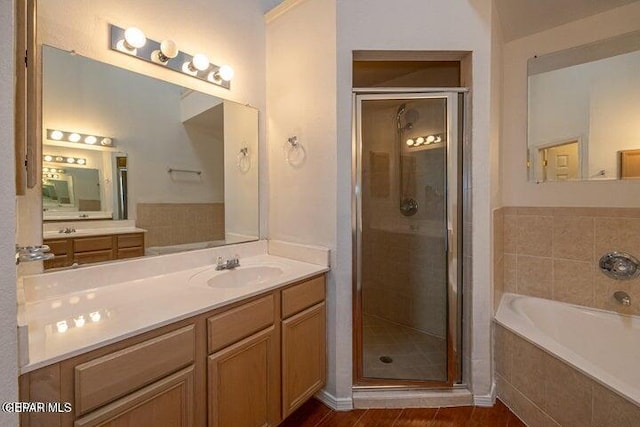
column 453, row 247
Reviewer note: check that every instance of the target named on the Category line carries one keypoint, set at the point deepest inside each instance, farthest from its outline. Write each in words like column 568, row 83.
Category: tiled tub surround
column 132, row 297
column 170, row 224
column 553, row 253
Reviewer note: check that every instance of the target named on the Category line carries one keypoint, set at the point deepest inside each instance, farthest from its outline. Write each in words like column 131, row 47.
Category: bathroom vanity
column 249, row 354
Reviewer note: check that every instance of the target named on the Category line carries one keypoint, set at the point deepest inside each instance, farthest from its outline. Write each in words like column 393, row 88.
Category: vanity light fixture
column 59, row 159
column 132, row 41
column 77, row 137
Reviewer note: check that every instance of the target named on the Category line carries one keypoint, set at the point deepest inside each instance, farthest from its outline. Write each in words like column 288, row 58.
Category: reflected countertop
column 66, row 315
column 52, row 230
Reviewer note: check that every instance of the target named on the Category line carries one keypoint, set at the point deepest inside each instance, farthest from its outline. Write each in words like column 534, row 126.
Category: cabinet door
column 244, row 383
column 303, row 357
column 168, row 403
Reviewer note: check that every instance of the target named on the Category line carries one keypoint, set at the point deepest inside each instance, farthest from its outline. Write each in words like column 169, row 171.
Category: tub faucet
column 622, row 297
column 230, row 264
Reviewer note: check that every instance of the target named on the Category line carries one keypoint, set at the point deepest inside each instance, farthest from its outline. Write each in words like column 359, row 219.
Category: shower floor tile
column 415, row 355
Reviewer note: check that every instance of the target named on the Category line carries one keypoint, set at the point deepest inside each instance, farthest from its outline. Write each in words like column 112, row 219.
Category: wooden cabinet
column 303, row 343
column 167, row 403
column 91, row 249
column 249, row 364
column 244, row 383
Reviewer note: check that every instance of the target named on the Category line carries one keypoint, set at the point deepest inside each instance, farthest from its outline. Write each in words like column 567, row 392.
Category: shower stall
column 407, row 178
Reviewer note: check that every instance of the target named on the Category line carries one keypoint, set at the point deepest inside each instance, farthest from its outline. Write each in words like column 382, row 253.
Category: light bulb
column 226, row 73
column 410, row 142
column 79, row 321
column 45, row 169
column 169, row 49
column 56, row 135
column 90, row 140
column 48, row 158
column 134, row 38
column 438, row 139
column 95, row 316
column 431, row 139
column 74, row 137
column 62, row 326
column 106, row 141
column 419, row 140
column 56, row 176
column 59, row 159
column 81, row 161
column 200, row 62
column 71, row 160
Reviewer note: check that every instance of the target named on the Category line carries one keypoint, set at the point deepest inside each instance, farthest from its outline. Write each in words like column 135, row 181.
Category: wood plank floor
column 315, row 414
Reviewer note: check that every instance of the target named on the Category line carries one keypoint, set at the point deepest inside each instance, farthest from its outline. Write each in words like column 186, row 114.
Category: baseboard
column 486, row 399
column 337, row 404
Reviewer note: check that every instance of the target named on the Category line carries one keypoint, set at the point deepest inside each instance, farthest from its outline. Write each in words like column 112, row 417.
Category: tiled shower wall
column 553, row 253
column 177, row 223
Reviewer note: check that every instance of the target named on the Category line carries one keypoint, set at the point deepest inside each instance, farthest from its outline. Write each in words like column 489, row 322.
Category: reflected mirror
column 583, row 109
column 180, row 164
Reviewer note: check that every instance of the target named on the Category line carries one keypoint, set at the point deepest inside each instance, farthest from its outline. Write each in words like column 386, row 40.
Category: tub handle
column 620, row 266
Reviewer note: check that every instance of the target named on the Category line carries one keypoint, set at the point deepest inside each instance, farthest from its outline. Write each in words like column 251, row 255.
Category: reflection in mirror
column 583, row 109
column 180, row 163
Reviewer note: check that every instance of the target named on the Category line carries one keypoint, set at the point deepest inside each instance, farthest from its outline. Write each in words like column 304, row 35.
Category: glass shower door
column 406, row 203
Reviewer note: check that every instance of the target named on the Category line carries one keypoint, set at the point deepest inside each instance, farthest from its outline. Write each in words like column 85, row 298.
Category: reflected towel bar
column 170, row 170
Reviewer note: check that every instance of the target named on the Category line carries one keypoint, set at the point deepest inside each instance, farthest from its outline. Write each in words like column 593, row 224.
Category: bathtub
column 602, row 345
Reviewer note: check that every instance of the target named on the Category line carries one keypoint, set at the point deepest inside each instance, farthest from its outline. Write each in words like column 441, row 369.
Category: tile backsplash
column 553, row 253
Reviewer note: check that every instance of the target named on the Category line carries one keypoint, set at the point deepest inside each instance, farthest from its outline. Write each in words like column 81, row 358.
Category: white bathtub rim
column 515, row 323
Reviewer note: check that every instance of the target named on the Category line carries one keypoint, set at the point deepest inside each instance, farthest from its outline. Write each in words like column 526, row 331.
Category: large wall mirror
column 120, row 145
column 583, row 110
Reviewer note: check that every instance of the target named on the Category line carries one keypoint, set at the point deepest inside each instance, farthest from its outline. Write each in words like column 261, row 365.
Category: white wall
column 516, row 190
column 312, row 204
column 8, row 324
column 240, row 190
column 419, row 25
column 301, row 94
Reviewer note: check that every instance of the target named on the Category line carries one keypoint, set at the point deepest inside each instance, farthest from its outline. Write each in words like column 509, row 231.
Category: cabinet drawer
column 130, row 240
column 87, row 244
column 130, row 252
column 238, row 323
column 298, row 297
column 107, row 378
column 59, row 247
column 95, row 256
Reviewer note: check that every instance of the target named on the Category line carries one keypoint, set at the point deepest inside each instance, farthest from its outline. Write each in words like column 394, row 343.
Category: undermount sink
column 239, row 277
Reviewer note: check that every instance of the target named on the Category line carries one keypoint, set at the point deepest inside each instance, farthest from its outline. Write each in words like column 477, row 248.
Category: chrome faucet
column 622, row 297
column 33, row 253
column 230, row 264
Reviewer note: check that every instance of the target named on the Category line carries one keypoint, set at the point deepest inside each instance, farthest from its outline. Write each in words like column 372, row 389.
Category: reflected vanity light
column 77, row 137
column 59, row 159
column 133, row 42
column 424, row 140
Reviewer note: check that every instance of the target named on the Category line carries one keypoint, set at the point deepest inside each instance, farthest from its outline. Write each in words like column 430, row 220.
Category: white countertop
column 129, row 307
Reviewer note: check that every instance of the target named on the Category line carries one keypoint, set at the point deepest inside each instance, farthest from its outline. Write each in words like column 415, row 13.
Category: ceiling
column 520, row 18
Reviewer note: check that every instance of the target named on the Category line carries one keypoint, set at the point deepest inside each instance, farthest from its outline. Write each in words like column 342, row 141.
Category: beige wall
column 516, row 191
column 301, row 101
column 544, row 391
column 553, row 253
column 8, row 324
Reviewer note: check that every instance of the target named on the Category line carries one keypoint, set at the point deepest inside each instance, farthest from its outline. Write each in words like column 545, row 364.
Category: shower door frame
column 453, row 239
